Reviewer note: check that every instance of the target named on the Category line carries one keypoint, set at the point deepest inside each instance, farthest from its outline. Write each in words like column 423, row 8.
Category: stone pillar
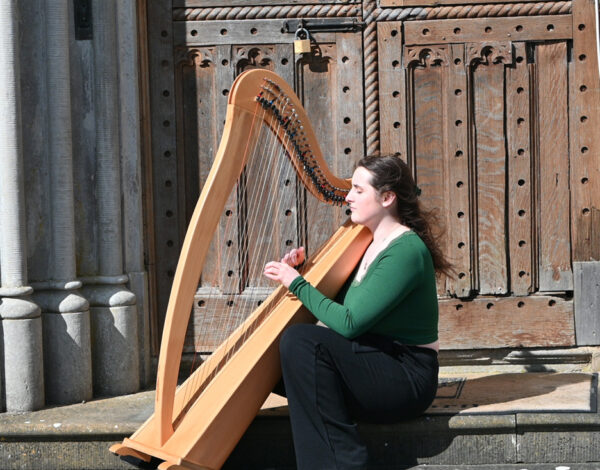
column 113, row 309
column 22, row 358
column 131, row 159
column 66, row 322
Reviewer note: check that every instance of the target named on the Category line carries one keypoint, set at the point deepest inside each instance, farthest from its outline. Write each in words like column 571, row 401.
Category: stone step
column 536, row 466
column 453, row 440
column 78, row 436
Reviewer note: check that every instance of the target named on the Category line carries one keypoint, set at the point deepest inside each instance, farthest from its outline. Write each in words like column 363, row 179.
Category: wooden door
column 490, row 134
column 206, row 57
column 495, row 114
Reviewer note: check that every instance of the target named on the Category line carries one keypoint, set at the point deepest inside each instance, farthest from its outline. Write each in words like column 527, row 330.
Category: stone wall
column 72, row 294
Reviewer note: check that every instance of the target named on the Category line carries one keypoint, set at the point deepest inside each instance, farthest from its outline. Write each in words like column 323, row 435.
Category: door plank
column 520, row 175
column 584, row 110
column 165, row 241
column 456, row 161
column 392, row 88
column 427, row 89
column 332, row 90
column 555, row 273
column 488, row 89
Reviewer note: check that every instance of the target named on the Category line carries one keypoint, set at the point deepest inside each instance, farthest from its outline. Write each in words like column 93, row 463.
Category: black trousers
column 331, row 382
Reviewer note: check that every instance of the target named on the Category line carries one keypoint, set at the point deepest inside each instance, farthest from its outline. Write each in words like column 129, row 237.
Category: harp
column 197, row 425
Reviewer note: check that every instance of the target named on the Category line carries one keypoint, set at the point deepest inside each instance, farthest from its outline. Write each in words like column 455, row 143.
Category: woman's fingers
column 280, row 272
column 272, row 268
column 300, row 255
column 294, row 257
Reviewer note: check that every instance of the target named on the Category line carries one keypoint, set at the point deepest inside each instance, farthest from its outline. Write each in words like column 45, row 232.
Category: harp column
column 113, row 308
column 21, row 323
column 65, row 312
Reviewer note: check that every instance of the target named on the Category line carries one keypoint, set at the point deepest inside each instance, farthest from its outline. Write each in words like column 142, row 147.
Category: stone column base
column 21, row 332
column 68, row 357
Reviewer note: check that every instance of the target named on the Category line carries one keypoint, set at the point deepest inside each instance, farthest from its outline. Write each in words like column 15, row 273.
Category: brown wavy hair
column 390, row 173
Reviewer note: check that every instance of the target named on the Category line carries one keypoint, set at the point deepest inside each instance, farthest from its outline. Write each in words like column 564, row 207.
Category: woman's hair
column 390, row 173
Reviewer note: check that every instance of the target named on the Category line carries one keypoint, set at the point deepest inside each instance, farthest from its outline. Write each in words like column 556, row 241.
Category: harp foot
column 173, row 466
column 124, row 451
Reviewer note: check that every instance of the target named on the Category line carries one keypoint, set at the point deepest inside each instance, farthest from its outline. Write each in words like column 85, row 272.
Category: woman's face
column 365, row 202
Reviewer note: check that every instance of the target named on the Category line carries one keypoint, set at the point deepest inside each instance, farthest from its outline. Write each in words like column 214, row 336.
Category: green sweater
column 396, row 297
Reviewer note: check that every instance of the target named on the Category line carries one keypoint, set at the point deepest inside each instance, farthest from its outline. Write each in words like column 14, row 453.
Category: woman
column 377, row 361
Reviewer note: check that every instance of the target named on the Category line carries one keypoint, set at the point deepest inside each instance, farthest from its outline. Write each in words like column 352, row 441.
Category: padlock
column 301, row 46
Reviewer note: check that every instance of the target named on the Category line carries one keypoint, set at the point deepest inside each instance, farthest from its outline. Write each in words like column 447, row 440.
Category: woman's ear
column 388, row 198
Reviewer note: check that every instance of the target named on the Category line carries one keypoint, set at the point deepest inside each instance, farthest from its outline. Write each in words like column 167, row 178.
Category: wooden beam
column 555, row 273
column 392, row 88
column 458, row 178
column 520, row 175
column 490, row 159
column 262, row 31
column 584, row 100
column 491, row 322
column 429, row 98
column 480, row 30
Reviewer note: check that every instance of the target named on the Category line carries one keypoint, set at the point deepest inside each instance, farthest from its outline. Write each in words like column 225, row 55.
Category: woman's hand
column 283, row 271
column 280, row 272
column 294, row 257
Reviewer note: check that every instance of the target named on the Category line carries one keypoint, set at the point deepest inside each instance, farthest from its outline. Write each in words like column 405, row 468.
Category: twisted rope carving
column 265, row 12
column 496, row 10
column 370, row 12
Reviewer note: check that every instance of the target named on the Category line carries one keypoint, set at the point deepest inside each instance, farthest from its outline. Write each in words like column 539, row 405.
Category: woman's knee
column 295, row 339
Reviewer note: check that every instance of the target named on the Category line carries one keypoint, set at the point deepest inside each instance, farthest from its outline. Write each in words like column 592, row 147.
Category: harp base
column 174, row 466
column 125, row 451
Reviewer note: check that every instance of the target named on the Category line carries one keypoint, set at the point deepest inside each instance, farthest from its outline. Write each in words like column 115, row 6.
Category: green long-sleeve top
column 396, row 297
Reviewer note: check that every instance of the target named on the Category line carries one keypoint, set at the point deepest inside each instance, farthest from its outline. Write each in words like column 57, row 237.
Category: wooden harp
column 197, row 425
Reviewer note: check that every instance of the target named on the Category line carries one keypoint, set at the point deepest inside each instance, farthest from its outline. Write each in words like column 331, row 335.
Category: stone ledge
column 78, row 437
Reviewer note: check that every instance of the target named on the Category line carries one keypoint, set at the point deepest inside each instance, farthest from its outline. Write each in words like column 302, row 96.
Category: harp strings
column 218, row 305
column 267, row 165
column 270, row 166
column 279, row 174
column 266, row 206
